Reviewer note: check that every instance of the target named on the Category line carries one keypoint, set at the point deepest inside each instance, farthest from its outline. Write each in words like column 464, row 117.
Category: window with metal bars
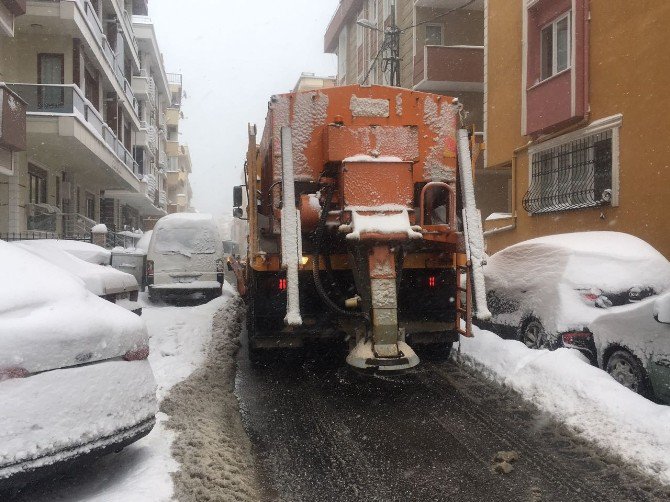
column 573, row 175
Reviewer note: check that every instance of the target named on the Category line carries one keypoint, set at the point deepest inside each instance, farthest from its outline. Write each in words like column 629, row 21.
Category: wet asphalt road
column 323, row 432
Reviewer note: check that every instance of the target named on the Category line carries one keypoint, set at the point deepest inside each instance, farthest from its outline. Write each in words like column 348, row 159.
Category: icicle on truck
column 362, row 225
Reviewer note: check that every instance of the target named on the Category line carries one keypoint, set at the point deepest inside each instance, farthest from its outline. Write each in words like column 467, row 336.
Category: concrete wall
column 628, row 75
column 18, row 57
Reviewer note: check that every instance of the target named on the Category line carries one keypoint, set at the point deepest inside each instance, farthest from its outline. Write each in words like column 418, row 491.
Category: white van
column 185, row 256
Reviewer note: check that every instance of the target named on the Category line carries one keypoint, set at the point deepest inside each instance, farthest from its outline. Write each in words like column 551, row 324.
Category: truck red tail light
column 431, row 281
column 13, row 372
column 138, row 354
column 283, row 284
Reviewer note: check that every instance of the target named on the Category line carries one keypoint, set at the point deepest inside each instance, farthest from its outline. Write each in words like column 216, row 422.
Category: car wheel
column 626, row 369
column 533, row 335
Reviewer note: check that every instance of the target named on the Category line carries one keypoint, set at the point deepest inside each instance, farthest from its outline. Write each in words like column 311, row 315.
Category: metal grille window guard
column 574, row 175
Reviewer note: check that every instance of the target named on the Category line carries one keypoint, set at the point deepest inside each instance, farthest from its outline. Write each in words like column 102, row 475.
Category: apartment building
column 576, row 106
column 441, row 50
column 152, row 90
column 312, row 82
column 179, row 185
column 179, row 191
column 88, row 158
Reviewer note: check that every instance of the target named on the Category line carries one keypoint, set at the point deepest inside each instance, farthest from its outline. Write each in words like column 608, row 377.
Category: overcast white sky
column 234, row 55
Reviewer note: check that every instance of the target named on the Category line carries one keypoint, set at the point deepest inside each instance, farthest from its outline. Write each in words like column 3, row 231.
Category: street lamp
column 366, row 23
column 391, row 44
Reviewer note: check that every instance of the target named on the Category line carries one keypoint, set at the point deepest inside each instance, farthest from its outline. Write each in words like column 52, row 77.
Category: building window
column 342, row 55
column 37, row 185
column 555, row 46
column 434, row 34
column 574, row 174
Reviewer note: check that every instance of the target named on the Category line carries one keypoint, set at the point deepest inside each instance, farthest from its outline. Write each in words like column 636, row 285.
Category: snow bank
column 582, row 396
column 178, row 338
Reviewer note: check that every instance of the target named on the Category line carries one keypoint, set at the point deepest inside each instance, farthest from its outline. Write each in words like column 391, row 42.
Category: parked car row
column 606, row 294
column 75, row 381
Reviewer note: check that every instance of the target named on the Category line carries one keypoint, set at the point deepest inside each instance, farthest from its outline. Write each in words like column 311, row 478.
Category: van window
column 185, row 241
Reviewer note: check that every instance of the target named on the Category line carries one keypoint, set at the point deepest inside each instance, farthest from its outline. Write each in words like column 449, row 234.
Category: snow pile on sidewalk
column 179, row 339
column 214, row 452
column 582, row 396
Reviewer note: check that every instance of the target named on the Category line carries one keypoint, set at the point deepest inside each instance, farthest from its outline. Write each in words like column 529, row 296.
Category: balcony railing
column 460, row 66
column 174, row 78
column 116, row 65
column 56, row 100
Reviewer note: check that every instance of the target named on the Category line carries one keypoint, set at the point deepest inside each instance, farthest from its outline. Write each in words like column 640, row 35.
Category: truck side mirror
column 237, row 196
column 238, row 212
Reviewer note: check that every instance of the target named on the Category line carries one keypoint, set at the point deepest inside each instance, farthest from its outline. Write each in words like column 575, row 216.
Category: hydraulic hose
column 316, row 264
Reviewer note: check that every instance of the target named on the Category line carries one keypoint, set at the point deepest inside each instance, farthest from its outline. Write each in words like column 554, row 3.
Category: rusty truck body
column 362, row 225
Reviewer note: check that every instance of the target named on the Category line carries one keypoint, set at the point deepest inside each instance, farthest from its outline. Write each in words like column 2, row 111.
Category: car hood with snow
column 548, row 274
column 100, row 280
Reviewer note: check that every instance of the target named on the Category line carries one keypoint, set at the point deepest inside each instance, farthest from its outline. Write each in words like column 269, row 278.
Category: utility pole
column 392, row 62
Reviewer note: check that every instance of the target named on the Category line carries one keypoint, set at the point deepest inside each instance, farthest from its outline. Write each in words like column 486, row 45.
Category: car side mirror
column 662, row 309
column 237, row 196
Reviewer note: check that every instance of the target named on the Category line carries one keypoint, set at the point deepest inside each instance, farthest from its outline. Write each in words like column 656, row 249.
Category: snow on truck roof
column 607, row 260
column 181, row 220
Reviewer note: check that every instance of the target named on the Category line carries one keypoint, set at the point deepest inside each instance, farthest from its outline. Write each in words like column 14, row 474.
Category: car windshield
column 185, row 241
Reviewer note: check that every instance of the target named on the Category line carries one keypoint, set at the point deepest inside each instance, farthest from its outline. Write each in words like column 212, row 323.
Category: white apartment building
column 89, row 155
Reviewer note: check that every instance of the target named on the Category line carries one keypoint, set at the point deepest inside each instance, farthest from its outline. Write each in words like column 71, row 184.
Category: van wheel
column 626, row 369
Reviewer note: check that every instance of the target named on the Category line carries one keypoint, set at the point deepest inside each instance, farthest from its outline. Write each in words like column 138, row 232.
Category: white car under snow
column 74, row 376
column 594, row 291
column 107, row 282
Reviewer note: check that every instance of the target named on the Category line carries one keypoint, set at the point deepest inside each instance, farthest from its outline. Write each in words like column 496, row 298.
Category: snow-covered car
column 185, row 256
column 86, row 251
column 632, row 343
column 593, row 291
column 108, row 283
column 75, row 381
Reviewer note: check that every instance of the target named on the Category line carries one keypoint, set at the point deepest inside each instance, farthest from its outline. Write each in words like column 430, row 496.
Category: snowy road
column 322, row 432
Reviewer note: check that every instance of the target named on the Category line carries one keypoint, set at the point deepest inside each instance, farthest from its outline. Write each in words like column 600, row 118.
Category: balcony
column 458, row 68
column 12, row 120
column 172, row 117
column 144, row 87
column 65, row 129
column 172, row 148
column 147, row 136
column 79, row 19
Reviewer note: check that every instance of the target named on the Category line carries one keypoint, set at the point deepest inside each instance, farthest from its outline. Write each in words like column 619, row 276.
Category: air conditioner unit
column 66, row 190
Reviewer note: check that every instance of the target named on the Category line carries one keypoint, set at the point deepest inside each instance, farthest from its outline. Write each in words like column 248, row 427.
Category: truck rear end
column 360, row 226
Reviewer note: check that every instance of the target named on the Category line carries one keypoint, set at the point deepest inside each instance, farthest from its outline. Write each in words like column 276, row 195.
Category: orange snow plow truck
column 362, row 225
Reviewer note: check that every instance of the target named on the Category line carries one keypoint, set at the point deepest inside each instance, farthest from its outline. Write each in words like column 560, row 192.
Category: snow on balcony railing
column 47, row 99
column 174, row 78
